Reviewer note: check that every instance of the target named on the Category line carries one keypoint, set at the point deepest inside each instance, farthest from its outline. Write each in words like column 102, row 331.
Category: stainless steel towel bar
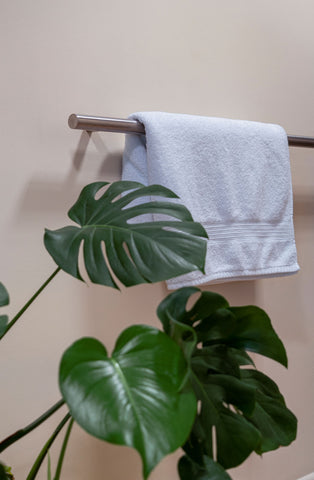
column 119, row 125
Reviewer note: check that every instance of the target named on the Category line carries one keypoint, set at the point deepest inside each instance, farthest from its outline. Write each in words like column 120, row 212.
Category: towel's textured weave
column 234, row 177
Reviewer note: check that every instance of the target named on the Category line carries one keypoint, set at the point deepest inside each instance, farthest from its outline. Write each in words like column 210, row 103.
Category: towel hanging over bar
column 119, row 125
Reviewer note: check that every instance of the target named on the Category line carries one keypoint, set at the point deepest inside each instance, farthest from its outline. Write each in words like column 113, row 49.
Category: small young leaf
column 173, row 307
column 178, row 322
column 134, row 397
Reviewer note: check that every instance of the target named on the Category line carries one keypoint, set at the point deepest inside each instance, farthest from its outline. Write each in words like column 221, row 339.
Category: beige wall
column 246, row 59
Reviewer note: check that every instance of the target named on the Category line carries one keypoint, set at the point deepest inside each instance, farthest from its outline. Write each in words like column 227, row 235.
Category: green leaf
column 245, row 328
column 177, row 321
column 255, row 333
column 134, row 397
column 3, row 475
column 223, row 399
column 208, row 470
column 275, row 422
column 215, row 322
column 136, row 252
column 244, row 420
column 4, row 296
column 5, row 472
column 171, row 312
column 4, row 300
column 4, row 319
column 219, row 358
column 173, row 307
column 199, row 443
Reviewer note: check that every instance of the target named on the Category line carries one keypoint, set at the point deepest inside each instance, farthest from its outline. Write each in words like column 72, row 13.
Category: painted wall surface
column 244, row 60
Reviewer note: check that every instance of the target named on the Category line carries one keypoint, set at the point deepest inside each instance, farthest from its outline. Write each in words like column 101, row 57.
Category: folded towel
column 234, row 177
column 310, row 476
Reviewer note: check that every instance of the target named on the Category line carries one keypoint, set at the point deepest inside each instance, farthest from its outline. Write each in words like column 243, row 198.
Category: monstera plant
column 191, row 385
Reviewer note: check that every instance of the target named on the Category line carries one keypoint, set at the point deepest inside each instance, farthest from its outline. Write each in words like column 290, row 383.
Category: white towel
column 234, row 176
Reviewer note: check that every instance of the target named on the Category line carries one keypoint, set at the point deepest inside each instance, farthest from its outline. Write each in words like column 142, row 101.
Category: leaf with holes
column 224, row 400
column 137, row 253
column 215, row 322
column 134, row 398
column 173, row 307
column 178, row 322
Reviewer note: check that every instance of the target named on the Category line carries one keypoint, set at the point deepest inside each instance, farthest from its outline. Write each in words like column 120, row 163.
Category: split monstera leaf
column 141, row 252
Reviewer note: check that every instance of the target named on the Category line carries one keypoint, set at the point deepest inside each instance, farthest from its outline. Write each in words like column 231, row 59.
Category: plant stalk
column 63, row 449
column 48, row 467
column 39, row 460
column 30, row 301
column 24, row 431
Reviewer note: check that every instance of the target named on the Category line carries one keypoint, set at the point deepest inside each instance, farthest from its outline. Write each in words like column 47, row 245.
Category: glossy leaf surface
column 133, row 398
column 134, row 252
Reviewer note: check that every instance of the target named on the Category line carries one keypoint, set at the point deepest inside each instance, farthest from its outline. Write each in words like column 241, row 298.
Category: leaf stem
column 39, row 460
column 24, row 431
column 63, row 449
column 30, row 301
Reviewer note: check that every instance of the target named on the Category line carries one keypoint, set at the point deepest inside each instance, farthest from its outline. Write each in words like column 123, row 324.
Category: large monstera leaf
column 136, row 252
column 138, row 397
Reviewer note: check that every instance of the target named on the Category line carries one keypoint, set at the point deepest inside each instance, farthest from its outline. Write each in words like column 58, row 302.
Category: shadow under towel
column 234, row 176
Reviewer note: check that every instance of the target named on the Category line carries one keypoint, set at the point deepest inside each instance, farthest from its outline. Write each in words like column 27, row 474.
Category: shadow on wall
column 50, row 199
